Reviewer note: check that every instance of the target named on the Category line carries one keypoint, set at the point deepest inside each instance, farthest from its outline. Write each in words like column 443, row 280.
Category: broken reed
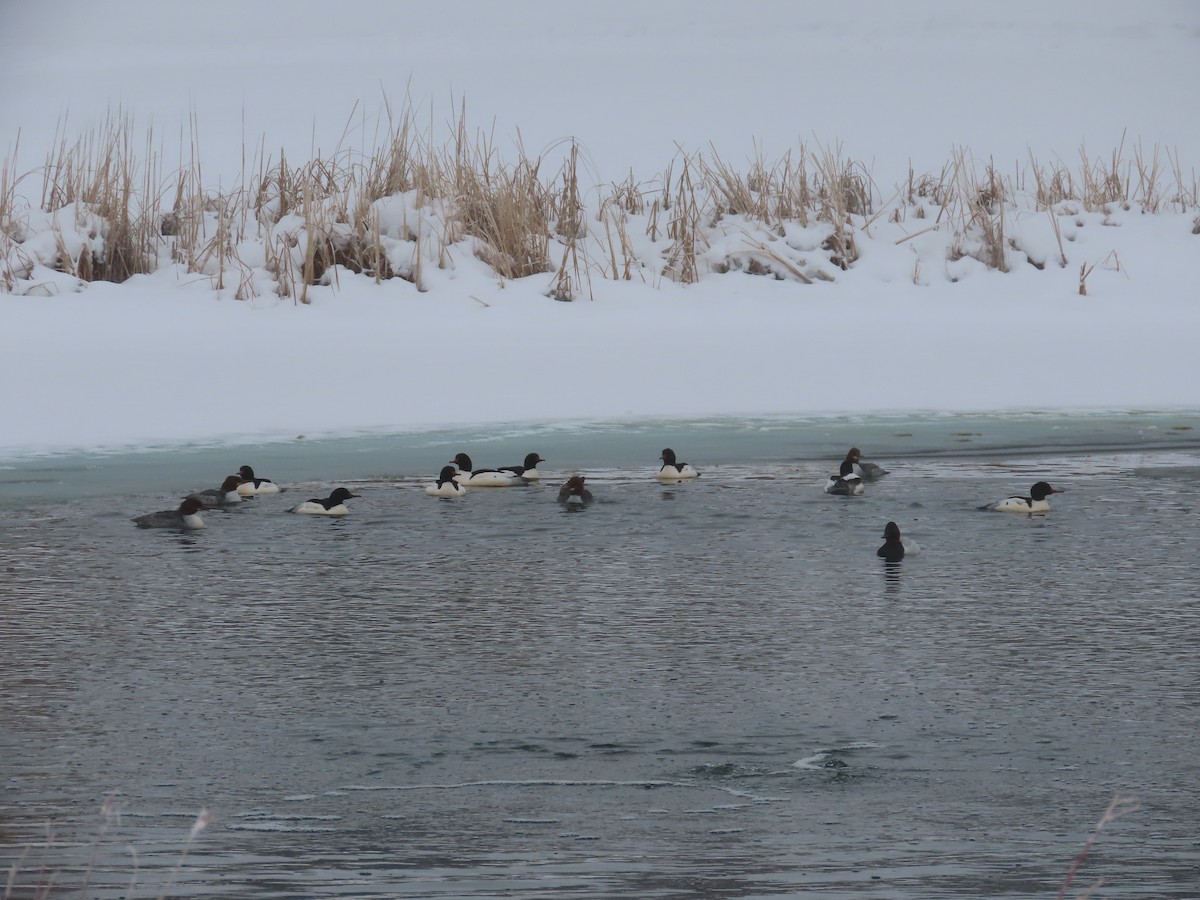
column 321, row 214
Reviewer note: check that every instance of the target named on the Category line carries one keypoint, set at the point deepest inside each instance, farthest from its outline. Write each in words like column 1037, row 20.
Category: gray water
column 711, row 689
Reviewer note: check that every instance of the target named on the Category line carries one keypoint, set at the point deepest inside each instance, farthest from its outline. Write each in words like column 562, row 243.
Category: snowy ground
column 164, row 357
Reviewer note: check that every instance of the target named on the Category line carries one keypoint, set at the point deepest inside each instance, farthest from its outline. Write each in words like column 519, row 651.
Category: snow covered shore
column 777, row 320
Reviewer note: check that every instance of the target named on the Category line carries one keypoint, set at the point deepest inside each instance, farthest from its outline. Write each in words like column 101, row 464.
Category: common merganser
column 892, row 549
column 184, row 517
column 894, row 546
column 333, row 505
column 446, row 486
column 252, row 485
column 574, row 493
column 226, row 495
column 472, row 477
column 528, row 469
column 845, row 483
column 672, row 470
column 864, row 470
column 1035, row 503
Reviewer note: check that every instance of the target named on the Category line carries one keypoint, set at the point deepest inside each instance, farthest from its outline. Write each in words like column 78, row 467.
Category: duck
column 446, row 486
column 894, row 546
column 469, row 476
column 864, row 470
column 527, row 469
column 673, row 470
column 251, row 485
column 184, row 517
column 846, row 483
column 574, row 493
column 1036, row 502
column 333, row 505
column 226, row 495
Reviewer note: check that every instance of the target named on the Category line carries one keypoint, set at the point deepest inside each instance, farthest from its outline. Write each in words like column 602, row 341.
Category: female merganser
column 845, row 483
column 574, row 493
column 251, row 485
column 333, row 505
column 184, row 517
column 1035, row 503
column 672, row 470
column 472, row 477
column 446, row 486
column 226, row 495
column 528, row 469
column 894, row 546
column 864, row 470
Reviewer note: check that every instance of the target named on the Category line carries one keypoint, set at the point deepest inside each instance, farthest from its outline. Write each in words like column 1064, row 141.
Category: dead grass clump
column 683, row 227
column 101, row 175
column 566, row 209
column 507, row 212
column 1104, row 183
column 842, row 190
column 771, row 194
column 505, row 208
column 629, row 195
column 980, row 204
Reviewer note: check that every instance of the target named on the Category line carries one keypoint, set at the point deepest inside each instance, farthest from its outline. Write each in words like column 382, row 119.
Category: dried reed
column 113, row 215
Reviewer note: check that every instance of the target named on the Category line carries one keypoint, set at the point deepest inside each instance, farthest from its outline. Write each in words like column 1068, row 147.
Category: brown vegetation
column 405, row 204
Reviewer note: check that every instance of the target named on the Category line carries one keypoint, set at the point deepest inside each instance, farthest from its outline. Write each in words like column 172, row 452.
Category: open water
column 710, row 689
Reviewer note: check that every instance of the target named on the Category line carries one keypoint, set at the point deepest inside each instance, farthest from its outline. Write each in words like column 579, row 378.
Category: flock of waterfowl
column 460, row 475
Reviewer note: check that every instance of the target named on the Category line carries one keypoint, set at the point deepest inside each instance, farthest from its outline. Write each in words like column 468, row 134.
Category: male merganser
column 1035, row 503
column 528, row 469
column 472, row 477
column 892, row 549
column 865, row 470
column 184, row 517
column 672, row 470
column 226, row 495
column 845, row 483
column 446, row 486
column 894, row 546
column 574, row 493
column 251, row 485
column 333, row 505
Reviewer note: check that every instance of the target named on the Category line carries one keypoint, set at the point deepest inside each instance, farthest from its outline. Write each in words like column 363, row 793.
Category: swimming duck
column 1035, row 503
column 845, row 483
column 574, row 493
column 472, row 477
column 333, row 505
column 251, row 485
column 864, row 470
column 446, row 486
column 894, row 546
column 528, row 469
column 184, row 517
column 672, row 470
column 226, row 495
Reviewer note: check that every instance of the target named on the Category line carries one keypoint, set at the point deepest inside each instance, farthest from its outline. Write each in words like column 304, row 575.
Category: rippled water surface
column 710, row 689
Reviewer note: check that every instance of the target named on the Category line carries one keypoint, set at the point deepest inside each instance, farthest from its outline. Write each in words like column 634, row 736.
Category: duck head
column 1042, row 490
